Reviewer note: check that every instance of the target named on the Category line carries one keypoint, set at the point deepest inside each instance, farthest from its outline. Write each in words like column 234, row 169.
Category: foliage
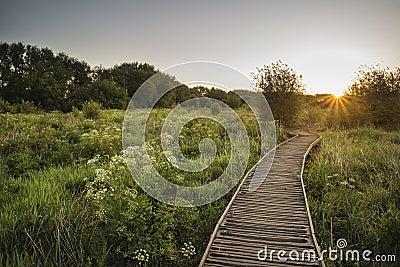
column 40, row 141
column 68, row 199
column 233, row 100
column 35, row 74
column 281, row 86
column 25, row 107
column 278, row 78
column 59, row 82
column 376, row 81
column 91, row 110
column 4, row 106
column 353, row 188
column 379, row 89
column 104, row 92
column 46, row 222
column 129, row 76
column 76, row 112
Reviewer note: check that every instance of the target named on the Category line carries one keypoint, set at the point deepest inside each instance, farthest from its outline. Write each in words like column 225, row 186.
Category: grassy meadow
column 353, row 187
column 68, row 199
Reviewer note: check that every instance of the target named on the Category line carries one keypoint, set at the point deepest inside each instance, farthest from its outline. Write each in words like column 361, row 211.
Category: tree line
column 373, row 98
column 33, row 76
column 59, row 82
column 378, row 91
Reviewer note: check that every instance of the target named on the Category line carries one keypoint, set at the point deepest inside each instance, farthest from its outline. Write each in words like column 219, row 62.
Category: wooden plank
column 276, row 214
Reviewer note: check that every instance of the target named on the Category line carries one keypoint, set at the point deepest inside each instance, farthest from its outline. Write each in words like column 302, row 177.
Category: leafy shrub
column 126, row 211
column 26, row 107
column 75, row 112
column 91, row 110
column 4, row 106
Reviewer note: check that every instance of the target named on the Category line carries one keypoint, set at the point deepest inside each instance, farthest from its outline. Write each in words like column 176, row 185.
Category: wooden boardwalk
column 256, row 225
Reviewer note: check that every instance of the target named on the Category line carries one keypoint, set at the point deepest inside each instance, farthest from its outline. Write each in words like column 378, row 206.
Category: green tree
column 202, row 90
column 281, row 86
column 14, row 90
column 129, row 76
column 36, row 74
column 182, row 93
column 46, row 78
column 104, row 92
column 216, row 94
column 5, row 67
column 379, row 89
column 233, row 100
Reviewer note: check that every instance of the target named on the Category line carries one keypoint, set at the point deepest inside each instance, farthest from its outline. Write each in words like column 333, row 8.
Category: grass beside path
column 353, row 187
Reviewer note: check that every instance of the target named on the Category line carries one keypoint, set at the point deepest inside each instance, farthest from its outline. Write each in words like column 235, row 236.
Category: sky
column 325, row 41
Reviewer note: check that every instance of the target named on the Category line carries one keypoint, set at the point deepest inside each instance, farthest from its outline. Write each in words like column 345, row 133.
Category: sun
column 336, row 95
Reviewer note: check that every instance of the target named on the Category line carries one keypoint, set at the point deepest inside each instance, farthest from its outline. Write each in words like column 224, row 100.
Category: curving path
column 256, row 225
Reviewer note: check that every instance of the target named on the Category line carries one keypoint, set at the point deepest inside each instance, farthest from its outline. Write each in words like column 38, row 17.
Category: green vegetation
column 353, row 188
column 283, row 89
column 91, row 110
column 378, row 89
column 34, row 79
column 352, row 181
column 67, row 198
column 372, row 100
column 49, row 81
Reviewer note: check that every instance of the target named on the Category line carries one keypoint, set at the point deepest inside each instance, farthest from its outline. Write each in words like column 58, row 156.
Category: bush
column 91, row 110
column 68, row 199
column 379, row 89
column 26, row 107
column 76, row 112
column 4, row 106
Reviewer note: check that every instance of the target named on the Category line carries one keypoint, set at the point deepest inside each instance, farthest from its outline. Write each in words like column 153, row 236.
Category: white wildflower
column 188, row 250
column 93, row 160
column 141, row 255
column 102, row 173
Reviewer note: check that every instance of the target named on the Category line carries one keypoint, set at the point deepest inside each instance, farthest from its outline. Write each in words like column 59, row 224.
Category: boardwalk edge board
column 296, row 134
column 214, row 234
column 317, row 247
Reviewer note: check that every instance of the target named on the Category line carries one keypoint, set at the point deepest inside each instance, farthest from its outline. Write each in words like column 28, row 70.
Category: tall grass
column 353, row 186
column 49, row 218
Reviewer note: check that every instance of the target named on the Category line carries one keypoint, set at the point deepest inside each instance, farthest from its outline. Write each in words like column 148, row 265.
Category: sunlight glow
column 337, row 105
column 337, row 95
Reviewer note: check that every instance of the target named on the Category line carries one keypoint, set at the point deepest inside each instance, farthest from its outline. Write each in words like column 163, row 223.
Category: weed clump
column 91, row 110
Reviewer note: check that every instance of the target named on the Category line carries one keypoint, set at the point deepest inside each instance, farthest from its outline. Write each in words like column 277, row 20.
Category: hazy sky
column 325, row 41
